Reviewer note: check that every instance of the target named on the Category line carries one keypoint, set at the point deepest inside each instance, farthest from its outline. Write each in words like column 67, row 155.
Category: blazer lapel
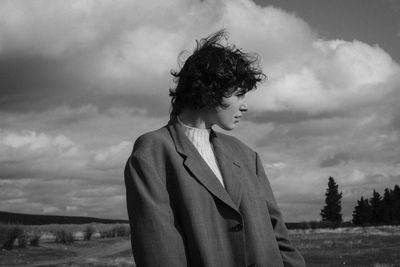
column 229, row 167
column 197, row 166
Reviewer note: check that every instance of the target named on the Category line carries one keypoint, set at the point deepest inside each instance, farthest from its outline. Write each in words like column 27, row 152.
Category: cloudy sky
column 81, row 80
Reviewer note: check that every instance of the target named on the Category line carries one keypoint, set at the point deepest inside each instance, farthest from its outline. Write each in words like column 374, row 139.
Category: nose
column 243, row 107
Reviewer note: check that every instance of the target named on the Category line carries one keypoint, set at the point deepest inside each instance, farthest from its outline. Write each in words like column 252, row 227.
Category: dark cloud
column 396, row 119
column 155, row 104
column 37, row 83
column 336, row 159
column 288, row 116
column 24, row 169
column 373, row 181
column 395, row 5
column 395, row 179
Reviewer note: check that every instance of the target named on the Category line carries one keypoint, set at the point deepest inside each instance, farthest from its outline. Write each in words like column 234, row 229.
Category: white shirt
column 200, row 138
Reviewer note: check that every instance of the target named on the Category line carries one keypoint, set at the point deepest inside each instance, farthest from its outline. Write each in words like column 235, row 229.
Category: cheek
column 233, row 108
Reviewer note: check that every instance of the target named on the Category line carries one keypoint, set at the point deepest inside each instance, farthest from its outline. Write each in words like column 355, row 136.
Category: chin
column 228, row 127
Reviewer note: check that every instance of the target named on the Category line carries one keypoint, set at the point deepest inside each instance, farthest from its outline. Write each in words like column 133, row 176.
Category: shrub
column 11, row 236
column 88, row 232
column 64, row 237
column 22, row 241
column 121, row 230
column 116, row 231
column 107, row 234
column 34, row 240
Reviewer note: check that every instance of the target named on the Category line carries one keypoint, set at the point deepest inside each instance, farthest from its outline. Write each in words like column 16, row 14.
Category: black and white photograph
column 200, row 133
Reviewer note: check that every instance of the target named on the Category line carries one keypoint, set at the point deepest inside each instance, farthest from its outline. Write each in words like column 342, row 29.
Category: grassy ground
column 373, row 246
column 100, row 252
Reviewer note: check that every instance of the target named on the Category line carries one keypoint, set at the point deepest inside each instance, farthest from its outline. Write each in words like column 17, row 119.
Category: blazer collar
column 229, row 166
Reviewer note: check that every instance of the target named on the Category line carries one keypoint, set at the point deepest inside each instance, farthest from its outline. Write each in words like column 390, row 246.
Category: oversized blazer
column 181, row 215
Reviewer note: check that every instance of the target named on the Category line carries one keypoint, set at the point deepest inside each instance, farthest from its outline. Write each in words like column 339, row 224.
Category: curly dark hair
column 213, row 71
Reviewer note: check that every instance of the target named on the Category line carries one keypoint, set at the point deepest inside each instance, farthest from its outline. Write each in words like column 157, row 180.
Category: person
column 197, row 197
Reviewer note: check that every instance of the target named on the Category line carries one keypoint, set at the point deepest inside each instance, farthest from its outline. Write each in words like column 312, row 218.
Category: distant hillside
column 33, row 219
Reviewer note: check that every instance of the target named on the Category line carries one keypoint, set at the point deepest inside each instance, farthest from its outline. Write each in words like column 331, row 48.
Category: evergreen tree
column 396, row 205
column 331, row 212
column 387, row 202
column 376, row 208
column 357, row 212
column 362, row 212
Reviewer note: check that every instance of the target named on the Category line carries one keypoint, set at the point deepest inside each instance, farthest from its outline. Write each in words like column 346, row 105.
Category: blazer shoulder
column 150, row 142
column 235, row 143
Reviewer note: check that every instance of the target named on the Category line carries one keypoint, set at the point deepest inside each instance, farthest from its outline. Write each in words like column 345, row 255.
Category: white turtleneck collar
column 200, row 138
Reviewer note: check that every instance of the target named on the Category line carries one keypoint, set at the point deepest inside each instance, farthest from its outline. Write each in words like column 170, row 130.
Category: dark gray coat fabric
column 181, row 215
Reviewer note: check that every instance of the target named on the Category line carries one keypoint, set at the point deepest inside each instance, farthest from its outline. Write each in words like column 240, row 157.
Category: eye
column 240, row 93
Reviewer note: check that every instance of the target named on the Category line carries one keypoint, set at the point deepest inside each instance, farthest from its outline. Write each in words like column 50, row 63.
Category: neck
column 195, row 118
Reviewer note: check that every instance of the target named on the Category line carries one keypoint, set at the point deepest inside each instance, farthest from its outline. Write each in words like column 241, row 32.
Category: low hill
column 34, row 219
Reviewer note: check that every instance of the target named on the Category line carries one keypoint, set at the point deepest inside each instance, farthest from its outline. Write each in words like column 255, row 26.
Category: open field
column 99, row 252
column 370, row 246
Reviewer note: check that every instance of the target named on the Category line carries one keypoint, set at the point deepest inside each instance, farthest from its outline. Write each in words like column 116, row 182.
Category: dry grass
column 369, row 246
column 13, row 236
column 370, row 230
column 79, row 231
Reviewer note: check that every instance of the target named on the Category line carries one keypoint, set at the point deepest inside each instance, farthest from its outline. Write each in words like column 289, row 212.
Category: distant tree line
column 378, row 209
column 35, row 219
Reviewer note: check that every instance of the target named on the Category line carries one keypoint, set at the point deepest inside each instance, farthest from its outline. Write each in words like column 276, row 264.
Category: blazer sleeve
column 290, row 256
column 156, row 239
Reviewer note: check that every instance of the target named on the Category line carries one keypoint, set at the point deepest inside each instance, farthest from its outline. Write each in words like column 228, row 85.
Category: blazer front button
column 238, row 227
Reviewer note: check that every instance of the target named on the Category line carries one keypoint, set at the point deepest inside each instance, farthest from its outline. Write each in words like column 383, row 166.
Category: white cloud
column 138, row 54
column 43, row 28
column 336, row 76
column 111, row 157
column 50, row 209
column 71, row 208
column 28, row 144
column 357, row 177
